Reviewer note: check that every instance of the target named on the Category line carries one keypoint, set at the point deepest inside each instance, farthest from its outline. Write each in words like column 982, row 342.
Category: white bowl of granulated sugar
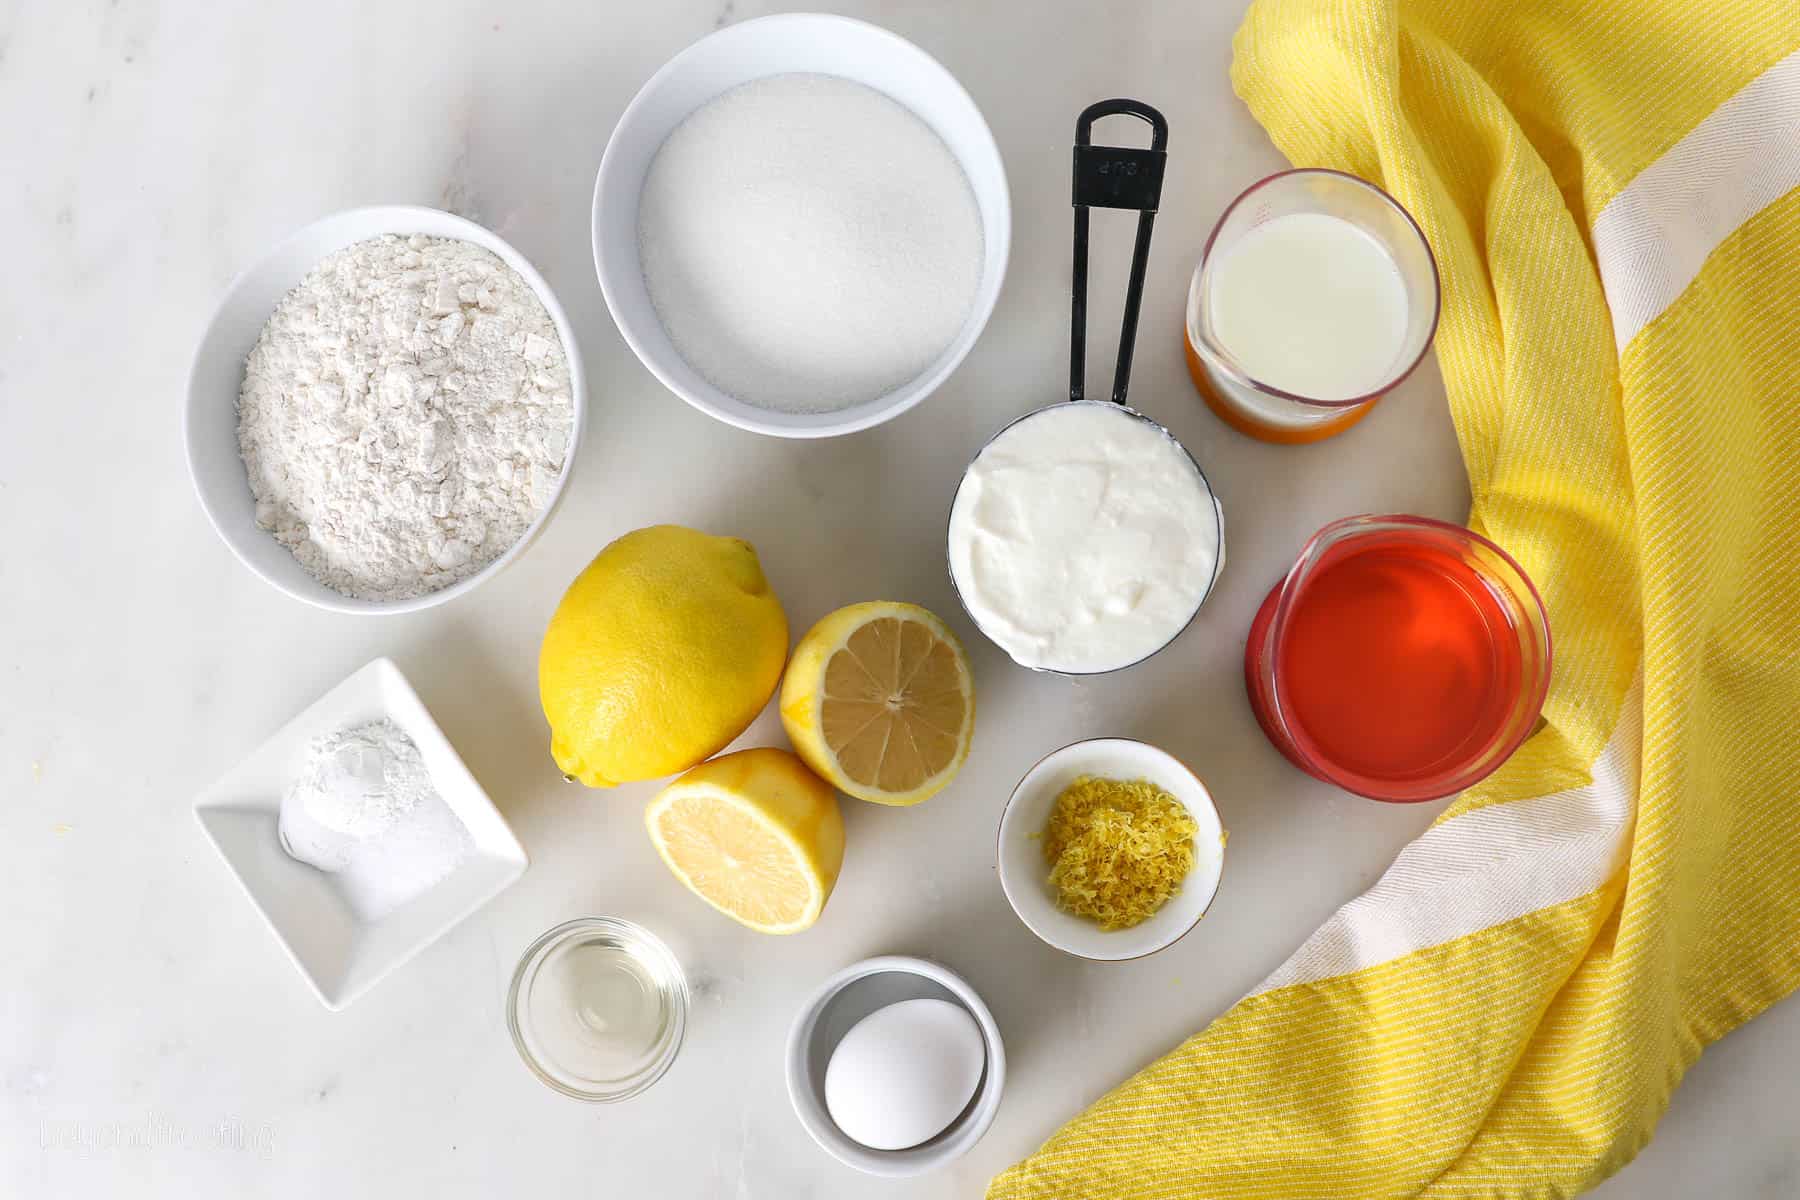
column 384, row 411
column 801, row 225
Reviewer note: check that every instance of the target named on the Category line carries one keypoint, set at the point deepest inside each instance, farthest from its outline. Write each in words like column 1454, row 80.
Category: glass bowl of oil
column 598, row 1008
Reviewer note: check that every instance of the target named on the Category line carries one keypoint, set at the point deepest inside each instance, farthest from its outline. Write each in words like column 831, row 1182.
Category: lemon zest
column 1117, row 850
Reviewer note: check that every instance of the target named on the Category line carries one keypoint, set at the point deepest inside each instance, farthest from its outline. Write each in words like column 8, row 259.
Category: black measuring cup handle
column 1113, row 177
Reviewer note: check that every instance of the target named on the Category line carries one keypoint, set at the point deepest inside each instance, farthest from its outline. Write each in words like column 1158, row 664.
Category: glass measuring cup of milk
column 1083, row 537
column 1401, row 658
column 1315, row 294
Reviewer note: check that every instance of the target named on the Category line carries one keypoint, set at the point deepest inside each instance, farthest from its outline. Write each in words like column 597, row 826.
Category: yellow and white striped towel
column 1612, row 188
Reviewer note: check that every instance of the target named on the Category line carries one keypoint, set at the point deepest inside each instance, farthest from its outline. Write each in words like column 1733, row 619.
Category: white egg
column 904, row 1073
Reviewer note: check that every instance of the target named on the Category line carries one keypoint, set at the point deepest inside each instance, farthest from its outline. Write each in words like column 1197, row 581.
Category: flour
column 808, row 243
column 404, row 415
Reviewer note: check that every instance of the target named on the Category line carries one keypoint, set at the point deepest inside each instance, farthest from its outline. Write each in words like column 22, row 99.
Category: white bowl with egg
column 342, row 953
column 210, row 416
column 893, row 1048
column 790, row 43
column 1025, row 877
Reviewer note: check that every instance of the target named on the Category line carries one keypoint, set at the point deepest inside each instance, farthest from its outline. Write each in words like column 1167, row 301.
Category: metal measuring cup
column 1107, row 177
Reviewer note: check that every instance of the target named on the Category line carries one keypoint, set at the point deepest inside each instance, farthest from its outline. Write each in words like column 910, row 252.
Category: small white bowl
column 210, row 419
column 1026, row 879
column 845, row 999
column 813, row 43
column 340, row 954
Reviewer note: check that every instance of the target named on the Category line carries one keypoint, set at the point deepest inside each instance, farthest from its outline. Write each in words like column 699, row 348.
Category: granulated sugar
column 809, row 243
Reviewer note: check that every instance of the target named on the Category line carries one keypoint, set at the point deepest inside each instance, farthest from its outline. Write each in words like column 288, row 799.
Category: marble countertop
column 153, row 1040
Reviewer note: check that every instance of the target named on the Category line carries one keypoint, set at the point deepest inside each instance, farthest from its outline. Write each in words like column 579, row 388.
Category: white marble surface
column 152, row 1039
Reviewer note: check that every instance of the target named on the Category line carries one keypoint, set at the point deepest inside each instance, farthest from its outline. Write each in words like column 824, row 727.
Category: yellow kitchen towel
column 1612, row 188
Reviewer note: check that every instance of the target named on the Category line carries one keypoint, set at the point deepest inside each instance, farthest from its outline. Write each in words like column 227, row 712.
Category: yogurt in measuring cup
column 1083, row 538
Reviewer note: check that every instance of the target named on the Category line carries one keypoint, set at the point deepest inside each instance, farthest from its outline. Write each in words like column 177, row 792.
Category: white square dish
column 340, row 954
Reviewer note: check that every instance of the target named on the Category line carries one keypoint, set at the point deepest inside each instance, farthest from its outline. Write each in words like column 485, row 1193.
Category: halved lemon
column 754, row 834
column 879, row 700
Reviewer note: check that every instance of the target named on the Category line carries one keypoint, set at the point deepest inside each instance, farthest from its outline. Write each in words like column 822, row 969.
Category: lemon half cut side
column 879, row 700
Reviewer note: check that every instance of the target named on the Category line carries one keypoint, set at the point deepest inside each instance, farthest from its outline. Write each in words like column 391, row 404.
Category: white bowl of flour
column 375, row 493
column 776, row 244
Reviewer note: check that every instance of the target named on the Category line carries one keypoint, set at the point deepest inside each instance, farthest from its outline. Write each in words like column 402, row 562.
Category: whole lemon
column 662, row 651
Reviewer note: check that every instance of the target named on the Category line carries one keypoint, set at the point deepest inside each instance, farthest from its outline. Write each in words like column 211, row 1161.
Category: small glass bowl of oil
column 598, row 1008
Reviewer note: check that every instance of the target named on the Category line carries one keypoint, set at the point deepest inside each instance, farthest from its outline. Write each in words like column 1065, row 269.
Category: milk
column 1309, row 304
